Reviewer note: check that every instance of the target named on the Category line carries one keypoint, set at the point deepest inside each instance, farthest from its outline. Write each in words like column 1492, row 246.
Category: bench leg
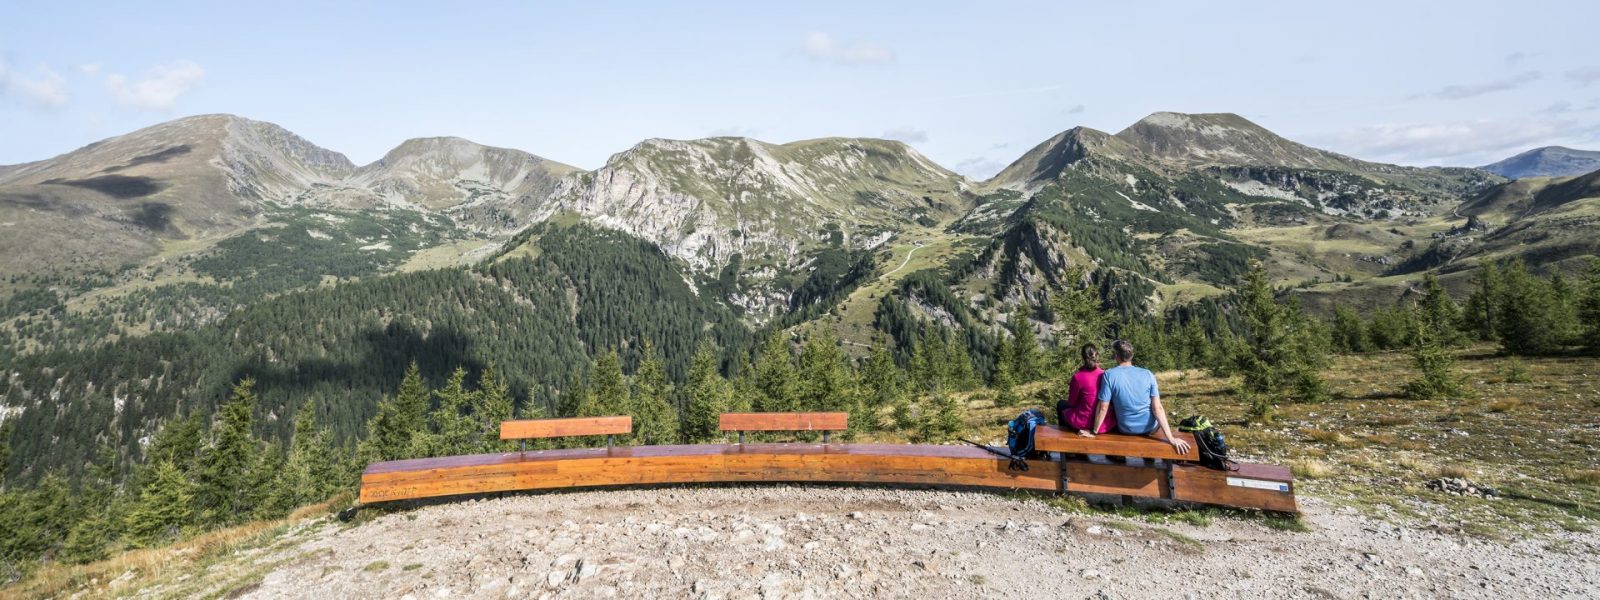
column 824, row 437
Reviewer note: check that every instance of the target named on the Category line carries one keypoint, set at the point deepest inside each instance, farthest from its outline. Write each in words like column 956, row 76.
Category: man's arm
column 1180, row 446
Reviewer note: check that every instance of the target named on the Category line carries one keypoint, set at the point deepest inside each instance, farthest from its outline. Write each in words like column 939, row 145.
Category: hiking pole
column 1017, row 463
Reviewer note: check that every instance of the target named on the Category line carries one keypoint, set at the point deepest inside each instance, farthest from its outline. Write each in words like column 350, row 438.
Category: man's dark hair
column 1122, row 350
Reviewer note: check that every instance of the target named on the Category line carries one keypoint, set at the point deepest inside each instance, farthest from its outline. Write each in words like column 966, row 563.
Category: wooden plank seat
column 1252, row 486
column 784, row 421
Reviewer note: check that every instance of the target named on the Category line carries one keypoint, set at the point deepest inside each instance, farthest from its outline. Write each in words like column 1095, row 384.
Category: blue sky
column 972, row 85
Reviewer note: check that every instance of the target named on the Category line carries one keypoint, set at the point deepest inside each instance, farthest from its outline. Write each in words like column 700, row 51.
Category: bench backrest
column 795, row 421
column 548, row 428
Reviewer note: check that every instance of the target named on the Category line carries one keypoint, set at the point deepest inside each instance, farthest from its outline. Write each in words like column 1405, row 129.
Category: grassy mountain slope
column 1549, row 161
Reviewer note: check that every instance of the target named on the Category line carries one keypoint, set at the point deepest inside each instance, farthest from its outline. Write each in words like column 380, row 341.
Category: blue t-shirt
column 1129, row 390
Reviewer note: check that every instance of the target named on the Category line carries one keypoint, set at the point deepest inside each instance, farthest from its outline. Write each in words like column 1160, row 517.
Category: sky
column 973, row 85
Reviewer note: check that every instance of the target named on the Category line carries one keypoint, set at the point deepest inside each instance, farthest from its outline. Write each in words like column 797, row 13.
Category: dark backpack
column 1019, row 434
column 1209, row 442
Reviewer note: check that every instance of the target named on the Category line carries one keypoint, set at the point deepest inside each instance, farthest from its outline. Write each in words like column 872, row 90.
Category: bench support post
column 824, row 437
column 741, row 438
column 608, row 442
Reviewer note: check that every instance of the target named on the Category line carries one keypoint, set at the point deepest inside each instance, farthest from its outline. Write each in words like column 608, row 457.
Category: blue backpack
column 1019, row 434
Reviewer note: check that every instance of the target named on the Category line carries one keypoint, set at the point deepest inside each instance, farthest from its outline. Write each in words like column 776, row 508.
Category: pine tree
column 944, row 418
column 882, row 386
column 709, row 396
column 262, row 480
column 1197, row 348
column 399, row 418
column 826, row 383
column 1439, row 312
column 927, row 363
column 1282, row 351
column 456, row 428
column 1528, row 320
column 1483, row 310
column 1589, row 307
column 1005, row 379
column 1564, row 325
column 1349, row 332
column 224, row 495
column 957, row 364
column 165, row 506
column 492, row 406
column 1391, row 328
column 311, row 471
column 775, row 377
column 1433, row 360
column 1080, row 311
column 1028, row 362
column 179, row 442
column 655, row 419
column 607, row 388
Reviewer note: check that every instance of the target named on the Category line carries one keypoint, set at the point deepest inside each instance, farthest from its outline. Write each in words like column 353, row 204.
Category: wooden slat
column 1210, row 486
column 1102, row 478
column 801, row 463
column 548, row 428
column 1050, row 438
column 797, row 421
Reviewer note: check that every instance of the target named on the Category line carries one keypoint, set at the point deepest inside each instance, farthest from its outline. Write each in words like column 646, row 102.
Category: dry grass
column 106, row 577
column 1585, row 476
column 1454, row 472
column 1392, row 420
column 1326, row 436
column 1311, row 468
column 1506, row 405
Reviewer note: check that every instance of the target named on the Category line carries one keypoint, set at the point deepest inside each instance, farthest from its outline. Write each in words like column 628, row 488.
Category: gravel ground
column 823, row 542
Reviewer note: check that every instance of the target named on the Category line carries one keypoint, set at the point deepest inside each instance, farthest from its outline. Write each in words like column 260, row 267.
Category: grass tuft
column 376, row 566
column 1506, row 405
column 1310, row 468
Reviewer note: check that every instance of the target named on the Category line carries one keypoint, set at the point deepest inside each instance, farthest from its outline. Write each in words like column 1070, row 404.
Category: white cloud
column 90, row 69
column 160, row 87
column 822, row 46
column 1075, row 109
column 1458, row 143
column 906, row 134
column 45, row 89
column 1516, row 58
column 1472, row 90
column 1585, row 76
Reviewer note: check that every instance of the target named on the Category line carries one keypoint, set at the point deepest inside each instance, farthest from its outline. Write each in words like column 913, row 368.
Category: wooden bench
column 789, row 421
column 1171, row 475
column 1173, row 478
column 528, row 429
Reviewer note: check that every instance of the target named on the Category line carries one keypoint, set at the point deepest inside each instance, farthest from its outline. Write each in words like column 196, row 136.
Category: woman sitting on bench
column 1076, row 411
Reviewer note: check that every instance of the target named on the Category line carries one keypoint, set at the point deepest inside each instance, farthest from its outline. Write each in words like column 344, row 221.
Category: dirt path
column 820, row 542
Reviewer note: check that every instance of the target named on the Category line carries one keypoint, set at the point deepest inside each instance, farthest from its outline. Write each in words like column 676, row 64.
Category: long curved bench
column 1135, row 466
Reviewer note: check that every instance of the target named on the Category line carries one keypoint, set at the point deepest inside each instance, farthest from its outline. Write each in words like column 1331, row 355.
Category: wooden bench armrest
column 548, row 428
column 796, row 421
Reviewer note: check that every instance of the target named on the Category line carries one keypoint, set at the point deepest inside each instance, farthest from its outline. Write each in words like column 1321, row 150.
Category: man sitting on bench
column 1132, row 392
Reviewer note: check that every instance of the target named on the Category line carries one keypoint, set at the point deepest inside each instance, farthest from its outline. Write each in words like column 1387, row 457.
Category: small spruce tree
column 709, row 396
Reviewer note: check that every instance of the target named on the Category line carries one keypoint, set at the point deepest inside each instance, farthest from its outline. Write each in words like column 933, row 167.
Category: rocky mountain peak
column 1223, row 139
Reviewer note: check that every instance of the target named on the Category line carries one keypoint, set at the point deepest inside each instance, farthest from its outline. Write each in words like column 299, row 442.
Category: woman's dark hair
column 1091, row 357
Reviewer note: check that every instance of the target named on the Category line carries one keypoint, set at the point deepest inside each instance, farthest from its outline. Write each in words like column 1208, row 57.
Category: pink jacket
column 1078, row 412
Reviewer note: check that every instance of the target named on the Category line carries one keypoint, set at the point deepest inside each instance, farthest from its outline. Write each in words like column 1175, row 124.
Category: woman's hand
column 1085, row 433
